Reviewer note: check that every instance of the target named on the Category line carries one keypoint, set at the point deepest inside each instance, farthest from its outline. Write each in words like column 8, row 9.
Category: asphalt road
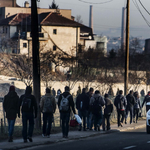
column 133, row 139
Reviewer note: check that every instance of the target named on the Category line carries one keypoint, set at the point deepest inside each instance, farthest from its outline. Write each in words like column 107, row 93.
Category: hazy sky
column 106, row 17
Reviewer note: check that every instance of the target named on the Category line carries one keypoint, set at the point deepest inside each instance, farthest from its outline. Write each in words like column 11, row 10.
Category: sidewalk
column 73, row 135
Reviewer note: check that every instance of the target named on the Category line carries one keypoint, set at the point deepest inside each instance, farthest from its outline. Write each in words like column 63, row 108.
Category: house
column 57, row 30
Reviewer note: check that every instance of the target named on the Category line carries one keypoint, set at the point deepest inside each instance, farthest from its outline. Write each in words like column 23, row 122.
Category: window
column 54, row 31
column 100, row 45
column 54, row 47
column 41, row 35
column 25, row 45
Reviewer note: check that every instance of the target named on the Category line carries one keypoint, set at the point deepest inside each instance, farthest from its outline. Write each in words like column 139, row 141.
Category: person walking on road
column 146, row 100
column 137, row 107
column 130, row 105
column 11, row 107
column 82, row 105
column 48, row 107
column 89, row 113
column 96, row 103
column 65, row 101
column 107, row 111
column 28, row 106
column 120, row 102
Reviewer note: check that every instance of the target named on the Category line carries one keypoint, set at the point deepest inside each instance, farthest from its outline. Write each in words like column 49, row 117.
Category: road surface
column 133, row 139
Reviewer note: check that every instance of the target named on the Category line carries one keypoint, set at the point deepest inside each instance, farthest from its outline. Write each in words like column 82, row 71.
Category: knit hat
column 28, row 90
column 12, row 88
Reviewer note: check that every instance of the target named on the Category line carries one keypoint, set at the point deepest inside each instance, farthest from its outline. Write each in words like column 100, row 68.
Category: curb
column 23, row 146
column 28, row 145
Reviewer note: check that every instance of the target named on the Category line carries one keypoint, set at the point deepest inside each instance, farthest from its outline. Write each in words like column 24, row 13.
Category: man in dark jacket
column 146, row 100
column 130, row 105
column 107, row 111
column 10, row 104
column 65, row 101
column 89, row 113
column 29, row 112
column 82, row 105
column 120, row 102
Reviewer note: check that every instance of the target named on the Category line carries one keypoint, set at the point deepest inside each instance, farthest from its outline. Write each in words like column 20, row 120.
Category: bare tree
column 79, row 19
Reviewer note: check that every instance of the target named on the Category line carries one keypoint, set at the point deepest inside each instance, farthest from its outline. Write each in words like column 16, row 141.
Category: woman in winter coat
column 137, row 107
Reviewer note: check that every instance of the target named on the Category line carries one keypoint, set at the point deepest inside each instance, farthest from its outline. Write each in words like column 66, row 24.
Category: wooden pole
column 127, row 48
column 36, row 60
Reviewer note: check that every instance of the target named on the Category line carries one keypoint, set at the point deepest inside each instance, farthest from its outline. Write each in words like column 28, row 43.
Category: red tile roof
column 45, row 19
column 57, row 19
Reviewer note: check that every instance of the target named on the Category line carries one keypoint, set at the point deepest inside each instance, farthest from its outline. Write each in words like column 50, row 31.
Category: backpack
column 108, row 108
column 64, row 103
column 26, row 103
column 96, row 107
column 48, row 107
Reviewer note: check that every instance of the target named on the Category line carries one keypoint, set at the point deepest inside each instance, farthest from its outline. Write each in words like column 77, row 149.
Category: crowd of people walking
column 93, row 109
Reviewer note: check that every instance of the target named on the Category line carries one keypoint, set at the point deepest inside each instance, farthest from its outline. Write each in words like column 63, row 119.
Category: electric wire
column 137, row 6
column 144, row 7
column 95, row 3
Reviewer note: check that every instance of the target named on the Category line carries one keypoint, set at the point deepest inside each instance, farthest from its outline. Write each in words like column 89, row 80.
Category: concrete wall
column 102, row 39
column 97, row 86
column 60, row 85
column 90, row 44
column 23, row 50
column 65, row 38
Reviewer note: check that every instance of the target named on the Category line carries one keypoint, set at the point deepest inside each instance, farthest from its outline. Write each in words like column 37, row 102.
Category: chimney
column 123, row 29
column 26, row 4
column 91, row 17
column 14, row 3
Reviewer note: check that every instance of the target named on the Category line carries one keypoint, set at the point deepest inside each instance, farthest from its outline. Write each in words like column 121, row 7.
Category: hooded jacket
column 33, row 107
column 130, row 100
column 102, row 102
column 117, row 101
column 71, row 102
column 52, row 99
column 85, row 100
column 11, row 105
column 137, row 103
column 108, row 106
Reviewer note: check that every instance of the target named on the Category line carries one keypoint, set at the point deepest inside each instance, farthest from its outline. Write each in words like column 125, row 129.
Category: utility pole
column 35, row 57
column 127, row 48
column 123, row 30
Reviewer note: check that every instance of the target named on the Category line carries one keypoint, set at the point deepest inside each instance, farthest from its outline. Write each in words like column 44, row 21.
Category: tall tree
column 53, row 5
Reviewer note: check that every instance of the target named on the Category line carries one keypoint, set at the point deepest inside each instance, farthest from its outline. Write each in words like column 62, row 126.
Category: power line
column 136, row 5
column 144, row 7
column 95, row 3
